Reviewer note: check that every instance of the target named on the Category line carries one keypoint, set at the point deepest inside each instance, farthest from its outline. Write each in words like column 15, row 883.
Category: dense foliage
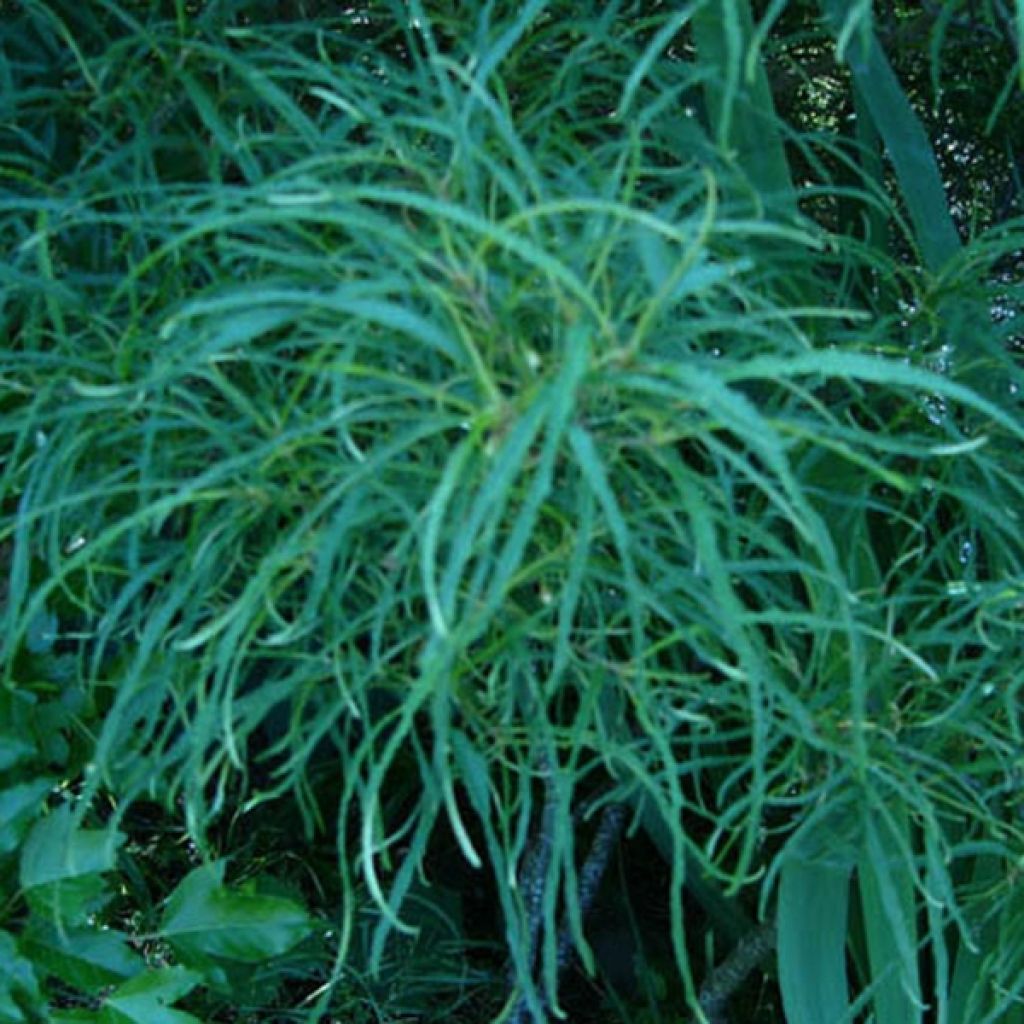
column 447, row 447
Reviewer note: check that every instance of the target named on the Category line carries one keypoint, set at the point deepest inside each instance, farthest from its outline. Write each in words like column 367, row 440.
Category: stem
column 609, row 828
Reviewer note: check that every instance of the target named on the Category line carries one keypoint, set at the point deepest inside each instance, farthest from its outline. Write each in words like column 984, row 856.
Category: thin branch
column 609, row 829
column 725, row 980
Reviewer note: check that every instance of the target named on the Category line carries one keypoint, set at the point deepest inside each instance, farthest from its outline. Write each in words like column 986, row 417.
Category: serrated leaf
column 206, row 919
column 87, row 958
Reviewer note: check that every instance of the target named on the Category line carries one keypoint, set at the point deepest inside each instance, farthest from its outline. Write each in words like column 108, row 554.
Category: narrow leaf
column 887, row 899
column 813, row 906
column 18, row 806
column 905, row 140
column 742, row 114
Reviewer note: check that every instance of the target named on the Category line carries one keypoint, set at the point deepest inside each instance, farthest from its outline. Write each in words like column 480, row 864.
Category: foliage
column 429, row 426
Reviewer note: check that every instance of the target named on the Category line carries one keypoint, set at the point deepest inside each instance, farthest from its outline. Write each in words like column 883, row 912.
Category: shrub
column 444, row 428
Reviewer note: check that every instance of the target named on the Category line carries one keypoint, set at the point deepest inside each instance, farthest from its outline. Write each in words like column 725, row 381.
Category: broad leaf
column 14, row 749
column 206, row 919
column 19, row 989
column 147, row 999
column 86, row 958
column 57, row 850
column 18, row 806
column 62, row 866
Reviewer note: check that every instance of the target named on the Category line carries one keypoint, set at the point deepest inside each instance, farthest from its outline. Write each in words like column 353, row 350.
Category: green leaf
column 222, row 137
column 887, row 898
column 970, row 982
column 473, row 767
column 1019, row 24
column 87, row 958
column 18, row 806
column 57, row 850
column 205, row 919
column 147, row 999
column 904, row 136
column 42, row 632
column 62, row 866
column 813, row 906
column 14, row 749
column 739, row 98
column 642, row 67
column 19, row 988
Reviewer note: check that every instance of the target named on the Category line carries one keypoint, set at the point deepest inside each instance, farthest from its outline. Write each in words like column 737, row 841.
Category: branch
column 609, row 828
column 725, row 979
